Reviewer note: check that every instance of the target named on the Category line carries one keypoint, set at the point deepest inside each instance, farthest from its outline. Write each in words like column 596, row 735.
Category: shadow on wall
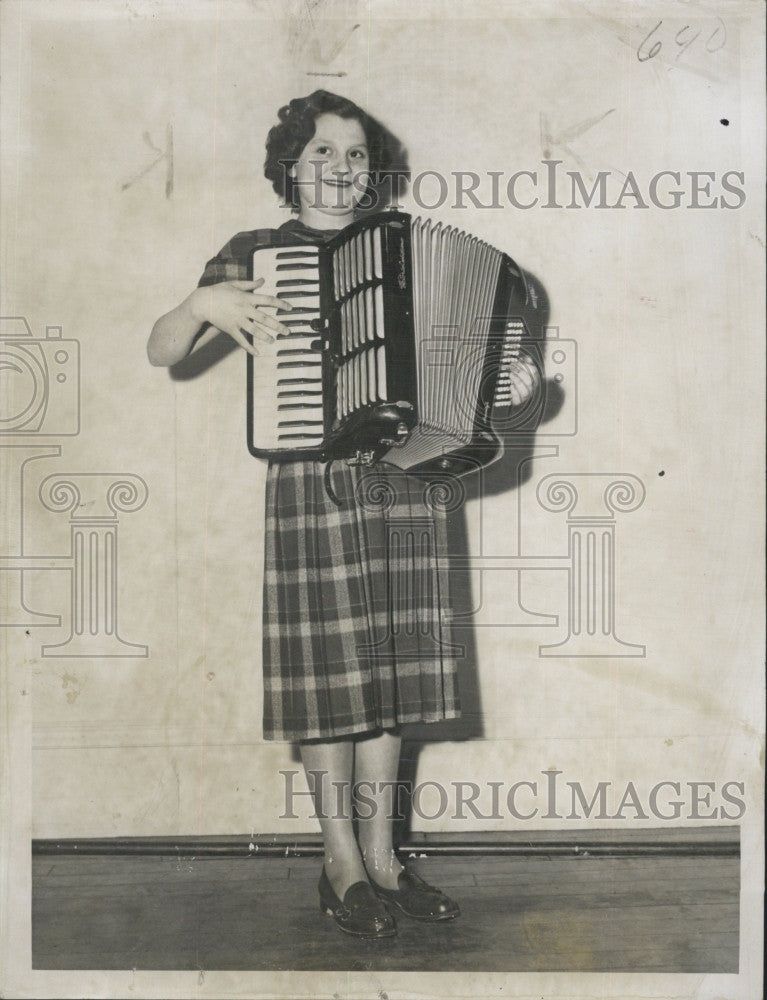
column 201, row 360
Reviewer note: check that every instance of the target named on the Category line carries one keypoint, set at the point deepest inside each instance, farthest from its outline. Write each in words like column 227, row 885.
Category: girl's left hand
column 525, row 379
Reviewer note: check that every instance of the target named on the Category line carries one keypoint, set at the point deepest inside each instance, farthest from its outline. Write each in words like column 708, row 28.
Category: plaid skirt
column 356, row 631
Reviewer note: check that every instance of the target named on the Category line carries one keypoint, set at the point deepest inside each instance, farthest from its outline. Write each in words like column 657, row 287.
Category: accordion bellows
column 402, row 337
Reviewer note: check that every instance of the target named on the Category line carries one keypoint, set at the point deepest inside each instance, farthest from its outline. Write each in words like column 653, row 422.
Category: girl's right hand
column 236, row 308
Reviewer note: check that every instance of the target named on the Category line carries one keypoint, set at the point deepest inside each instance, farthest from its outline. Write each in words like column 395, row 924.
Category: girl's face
column 332, row 172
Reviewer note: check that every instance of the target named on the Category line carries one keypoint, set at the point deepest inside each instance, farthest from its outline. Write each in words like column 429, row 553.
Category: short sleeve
column 231, row 262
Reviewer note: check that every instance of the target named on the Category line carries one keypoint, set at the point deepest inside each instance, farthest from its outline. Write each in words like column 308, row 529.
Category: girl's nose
column 341, row 164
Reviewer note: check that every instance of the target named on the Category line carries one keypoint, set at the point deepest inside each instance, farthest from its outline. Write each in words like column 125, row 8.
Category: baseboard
column 694, row 841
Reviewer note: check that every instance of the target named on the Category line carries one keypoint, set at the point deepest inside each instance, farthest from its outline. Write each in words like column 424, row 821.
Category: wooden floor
column 621, row 914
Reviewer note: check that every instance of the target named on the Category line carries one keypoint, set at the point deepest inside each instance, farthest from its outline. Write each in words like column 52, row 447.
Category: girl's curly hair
column 389, row 169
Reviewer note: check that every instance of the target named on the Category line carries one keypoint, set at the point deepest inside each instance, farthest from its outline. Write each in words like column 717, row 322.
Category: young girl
column 343, row 669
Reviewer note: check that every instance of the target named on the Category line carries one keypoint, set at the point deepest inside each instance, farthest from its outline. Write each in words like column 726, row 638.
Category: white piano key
column 302, row 301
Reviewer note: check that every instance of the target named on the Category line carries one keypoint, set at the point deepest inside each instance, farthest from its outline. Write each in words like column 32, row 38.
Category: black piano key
column 299, row 423
column 300, row 437
column 297, row 406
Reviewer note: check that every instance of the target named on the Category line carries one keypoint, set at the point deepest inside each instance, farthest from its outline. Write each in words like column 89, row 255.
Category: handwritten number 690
column 712, row 44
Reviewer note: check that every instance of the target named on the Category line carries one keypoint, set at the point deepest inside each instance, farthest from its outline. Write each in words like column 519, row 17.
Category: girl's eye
column 323, row 150
column 360, row 154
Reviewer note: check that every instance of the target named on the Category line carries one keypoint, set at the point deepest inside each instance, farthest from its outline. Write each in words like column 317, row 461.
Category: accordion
column 402, row 338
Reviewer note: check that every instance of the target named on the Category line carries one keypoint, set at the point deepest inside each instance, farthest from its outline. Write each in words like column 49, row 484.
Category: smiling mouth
column 337, row 183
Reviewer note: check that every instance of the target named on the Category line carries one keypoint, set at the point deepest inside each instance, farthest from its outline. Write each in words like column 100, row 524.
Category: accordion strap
column 329, row 485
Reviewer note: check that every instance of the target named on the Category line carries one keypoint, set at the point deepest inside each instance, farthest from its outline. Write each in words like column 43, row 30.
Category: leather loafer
column 416, row 899
column 360, row 912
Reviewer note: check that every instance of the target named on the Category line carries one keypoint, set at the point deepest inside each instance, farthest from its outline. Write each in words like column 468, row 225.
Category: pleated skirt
column 357, row 633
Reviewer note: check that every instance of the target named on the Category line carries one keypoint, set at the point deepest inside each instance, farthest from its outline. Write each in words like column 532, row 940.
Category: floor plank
column 659, row 914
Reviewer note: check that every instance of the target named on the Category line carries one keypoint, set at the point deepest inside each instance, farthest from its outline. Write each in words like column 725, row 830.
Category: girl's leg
column 377, row 760
column 377, row 765
column 333, row 763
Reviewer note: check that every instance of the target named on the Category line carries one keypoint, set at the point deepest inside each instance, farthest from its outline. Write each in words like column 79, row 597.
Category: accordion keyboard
column 287, row 374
